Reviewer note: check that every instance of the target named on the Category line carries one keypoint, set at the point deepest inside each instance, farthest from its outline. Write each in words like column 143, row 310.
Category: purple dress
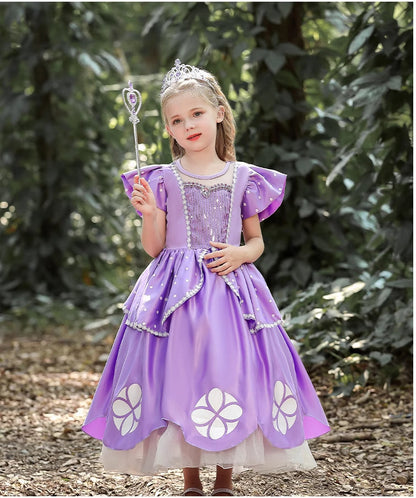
column 201, row 371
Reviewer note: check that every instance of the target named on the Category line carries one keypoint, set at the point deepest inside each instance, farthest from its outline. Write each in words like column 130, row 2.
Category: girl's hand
column 143, row 199
column 229, row 258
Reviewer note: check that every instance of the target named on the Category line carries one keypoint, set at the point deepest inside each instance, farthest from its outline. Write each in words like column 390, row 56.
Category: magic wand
column 133, row 101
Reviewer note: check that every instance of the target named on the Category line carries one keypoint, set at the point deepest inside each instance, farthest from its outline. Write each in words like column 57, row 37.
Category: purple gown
column 201, row 371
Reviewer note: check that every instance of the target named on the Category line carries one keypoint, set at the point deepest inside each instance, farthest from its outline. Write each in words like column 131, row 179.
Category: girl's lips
column 194, row 137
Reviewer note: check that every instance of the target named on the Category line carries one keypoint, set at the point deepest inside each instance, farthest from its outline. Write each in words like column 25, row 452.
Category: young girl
column 201, row 371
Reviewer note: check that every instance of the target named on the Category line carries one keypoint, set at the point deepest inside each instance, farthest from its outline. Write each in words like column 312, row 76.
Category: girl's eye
column 176, row 121
column 198, row 113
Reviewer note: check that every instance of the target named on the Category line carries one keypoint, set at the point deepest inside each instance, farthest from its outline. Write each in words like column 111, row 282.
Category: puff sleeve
column 264, row 192
column 154, row 176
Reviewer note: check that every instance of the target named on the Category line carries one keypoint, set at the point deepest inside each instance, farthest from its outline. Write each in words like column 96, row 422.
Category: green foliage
column 60, row 157
column 320, row 91
column 366, row 123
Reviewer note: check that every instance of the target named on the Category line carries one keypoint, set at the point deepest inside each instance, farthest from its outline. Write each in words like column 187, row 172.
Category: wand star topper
column 133, row 102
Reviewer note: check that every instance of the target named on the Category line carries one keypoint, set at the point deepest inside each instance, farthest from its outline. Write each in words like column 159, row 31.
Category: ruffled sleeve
column 154, row 176
column 264, row 192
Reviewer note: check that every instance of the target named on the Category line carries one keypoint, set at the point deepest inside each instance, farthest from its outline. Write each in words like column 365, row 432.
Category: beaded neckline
column 206, row 190
column 201, row 177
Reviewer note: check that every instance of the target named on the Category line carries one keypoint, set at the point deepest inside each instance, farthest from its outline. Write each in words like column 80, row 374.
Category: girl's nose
column 189, row 124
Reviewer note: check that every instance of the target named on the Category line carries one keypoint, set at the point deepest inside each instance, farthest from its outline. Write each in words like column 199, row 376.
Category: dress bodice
column 200, row 209
column 206, row 203
column 209, row 213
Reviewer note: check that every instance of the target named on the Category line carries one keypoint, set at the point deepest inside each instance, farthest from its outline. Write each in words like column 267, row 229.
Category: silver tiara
column 181, row 72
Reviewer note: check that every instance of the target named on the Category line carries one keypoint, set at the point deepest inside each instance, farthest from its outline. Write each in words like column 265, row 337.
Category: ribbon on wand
column 133, row 102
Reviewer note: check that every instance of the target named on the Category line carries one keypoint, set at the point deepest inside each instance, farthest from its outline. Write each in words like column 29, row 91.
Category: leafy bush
column 363, row 319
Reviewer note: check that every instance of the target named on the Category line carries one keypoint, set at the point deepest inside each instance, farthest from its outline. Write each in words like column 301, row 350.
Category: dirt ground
column 46, row 385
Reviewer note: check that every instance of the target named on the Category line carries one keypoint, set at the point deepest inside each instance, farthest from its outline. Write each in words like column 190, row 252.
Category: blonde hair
column 210, row 90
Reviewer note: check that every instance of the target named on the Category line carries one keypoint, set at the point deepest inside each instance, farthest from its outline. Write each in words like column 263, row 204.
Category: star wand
column 133, row 101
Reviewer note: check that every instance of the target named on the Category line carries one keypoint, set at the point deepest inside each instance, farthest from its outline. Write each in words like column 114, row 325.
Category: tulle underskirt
column 166, row 449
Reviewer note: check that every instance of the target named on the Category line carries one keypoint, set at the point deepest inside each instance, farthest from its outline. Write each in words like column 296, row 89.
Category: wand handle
column 133, row 102
column 136, row 149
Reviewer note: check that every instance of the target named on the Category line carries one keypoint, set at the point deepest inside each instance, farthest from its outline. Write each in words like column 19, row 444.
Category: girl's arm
column 253, row 239
column 154, row 233
column 232, row 257
column 154, row 219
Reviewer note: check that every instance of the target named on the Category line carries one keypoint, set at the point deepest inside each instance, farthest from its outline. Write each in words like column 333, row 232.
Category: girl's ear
column 168, row 130
column 220, row 114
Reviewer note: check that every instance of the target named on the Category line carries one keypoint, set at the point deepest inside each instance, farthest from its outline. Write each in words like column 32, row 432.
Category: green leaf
column 404, row 283
column 288, row 79
column 306, row 209
column 258, row 54
column 338, row 168
column 312, row 66
column 86, row 60
column 383, row 296
column 374, row 77
column 272, row 12
column 403, row 238
column 371, row 97
column 13, row 14
column 285, row 8
column 302, row 272
column 304, row 165
column 360, row 39
column 382, row 358
column 113, row 61
column 275, row 61
column 323, row 244
column 189, row 48
column 403, row 342
column 395, row 83
column 44, row 299
column 239, row 48
column 290, row 49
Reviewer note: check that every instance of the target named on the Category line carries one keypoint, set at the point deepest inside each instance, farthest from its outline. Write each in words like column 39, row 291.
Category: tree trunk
column 288, row 30
column 47, row 225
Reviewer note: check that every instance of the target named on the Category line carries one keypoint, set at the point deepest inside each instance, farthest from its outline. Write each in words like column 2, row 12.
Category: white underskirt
column 167, row 449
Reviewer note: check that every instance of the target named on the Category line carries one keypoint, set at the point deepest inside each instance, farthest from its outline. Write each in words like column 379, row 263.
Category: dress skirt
column 214, row 390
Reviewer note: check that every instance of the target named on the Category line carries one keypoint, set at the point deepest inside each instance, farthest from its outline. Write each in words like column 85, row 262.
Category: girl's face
column 192, row 121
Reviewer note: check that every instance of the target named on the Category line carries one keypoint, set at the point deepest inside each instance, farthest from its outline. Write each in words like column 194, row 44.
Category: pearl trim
column 231, row 286
column 226, row 279
column 141, row 327
column 206, row 191
column 185, row 206
column 190, row 293
column 260, row 325
column 231, row 201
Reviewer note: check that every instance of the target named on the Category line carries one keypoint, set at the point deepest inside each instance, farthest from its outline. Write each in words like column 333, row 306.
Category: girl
column 201, row 371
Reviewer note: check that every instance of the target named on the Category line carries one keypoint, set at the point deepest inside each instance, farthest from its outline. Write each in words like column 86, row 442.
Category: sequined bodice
column 208, row 212
column 207, row 202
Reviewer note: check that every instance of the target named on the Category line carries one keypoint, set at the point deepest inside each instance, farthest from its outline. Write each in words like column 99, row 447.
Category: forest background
column 321, row 91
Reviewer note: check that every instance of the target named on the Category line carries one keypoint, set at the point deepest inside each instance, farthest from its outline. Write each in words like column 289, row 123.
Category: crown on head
column 181, row 72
